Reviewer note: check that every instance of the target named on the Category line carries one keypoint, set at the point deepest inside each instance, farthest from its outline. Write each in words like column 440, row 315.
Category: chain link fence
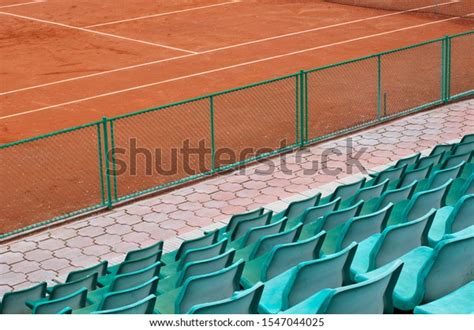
column 70, row 172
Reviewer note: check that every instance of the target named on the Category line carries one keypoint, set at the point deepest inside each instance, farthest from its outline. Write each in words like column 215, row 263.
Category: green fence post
column 301, row 107
column 448, row 69
column 379, row 85
column 213, row 146
column 114, row 169
column 107, row 163
column 306, row 117
column 101, row 164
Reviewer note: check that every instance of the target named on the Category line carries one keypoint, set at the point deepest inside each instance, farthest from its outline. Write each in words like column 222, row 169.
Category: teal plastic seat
column 440, row 177
column 201, row 289
column 394, row 196
column 331, row 220
column 117, row 299
column 15, row 302
column 365, row 194
column 236, row 218
column 195, row 268
column 344, row 191
column 126, row 281
column 420, row 204
column 454, row 160
column 467, row 138
column 253, row 234
column 391, row 173
column 394, row 242
column 412, row 175
column 408, row 161
column 456, row 302
column 432, row 160
column 138, row 254
column 241, row 302
column 452, row 219
column 243, row 226
column 75, row 300
column 373, row 296
column 441, row 148
column 194, row 255
column 296, row 208
column 462, row 148
column 356, row 229
column 314, row 213
column 65, row 310
column 203, row 241
column 281, row 258
column 306, row 279
column 265, row 243
column 144, row 306
column 100, row 268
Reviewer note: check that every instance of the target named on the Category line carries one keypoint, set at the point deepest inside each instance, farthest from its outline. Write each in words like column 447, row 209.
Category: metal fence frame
column 106, row 141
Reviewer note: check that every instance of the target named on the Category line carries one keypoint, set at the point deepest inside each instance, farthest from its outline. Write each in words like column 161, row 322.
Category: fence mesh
column 255, row 120
column 151, row 148
column 342, row 96
column 49, row 177
column 411, row 78
column 462, row 64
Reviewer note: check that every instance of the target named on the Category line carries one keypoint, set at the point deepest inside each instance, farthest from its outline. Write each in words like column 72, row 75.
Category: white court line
column 162, row 14
column 22, row 4
column 211, row 50
column 96, row 32
column 226, row 68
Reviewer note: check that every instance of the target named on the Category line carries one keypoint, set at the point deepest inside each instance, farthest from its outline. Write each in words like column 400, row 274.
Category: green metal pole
column 107, row 163
column 448, row 68
column 306, row 118
column 379, row 85
column 302, row 88
column 101, row 169
column 443, row 70
column 114, row 171
column 297, row 108
column 213, row 146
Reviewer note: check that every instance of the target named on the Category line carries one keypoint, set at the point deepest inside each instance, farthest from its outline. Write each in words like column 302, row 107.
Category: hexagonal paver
column 4, row 268
column 107, row 239
column 101, row 221
column 38, row 255
column 91, row 231
column 12, row 278
column 223, row 196
column 172, row 224
column 25, row 266
column 51, row 244
column 41, row 275
column 154, row 217
column 136, row 237
column 118, row 229
column 164, row 208
column 68, row 253
column 138, row 210
column 85, row 261
column 96, row 250
column 124, row 247
column 63, row 233
column 129, row 219
column 79, row 242
column 55, row 264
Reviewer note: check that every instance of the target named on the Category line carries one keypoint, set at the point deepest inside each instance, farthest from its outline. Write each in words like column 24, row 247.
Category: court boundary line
column 130, row 67
column 96, row 32
column 22, row 4
column 161, row 14
column 226, row 68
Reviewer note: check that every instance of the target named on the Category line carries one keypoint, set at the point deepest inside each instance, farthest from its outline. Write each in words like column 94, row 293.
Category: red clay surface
column 65, row 63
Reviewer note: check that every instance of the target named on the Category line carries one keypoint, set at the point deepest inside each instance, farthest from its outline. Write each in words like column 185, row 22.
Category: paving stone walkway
column 185, row 213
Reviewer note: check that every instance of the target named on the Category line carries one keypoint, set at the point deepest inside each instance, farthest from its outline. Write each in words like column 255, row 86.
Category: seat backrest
column 457, row 159
column 209, row 287
column 284, row 256
column 338, row 217
column 462, row 215
column 116, row 299
column 75, row 300
column 314, row 213
column 241, row 302
column 64, row 289
column 100, row 268
column 14, row 302
column 253, row 234
column 392, row 173
column 398, row 240
column 144, row 306
column 396, row 195
column 423, row 201
column 138, row 264
column 243, row 226
column 347, row 190
column 452, row 267
column 417, row 174
column 440, row 177
column 312, row 276
column 202, row 253
column 144, row 252
column 368, row 193
column 462, row 148
column 266, row 243
column 440, row 148
column 467, row 138
column 432, row 160
column 296, row 208
column 373, row 296
column 236, row 218
column 468, row 187
column 206, row 240
column 133, row 279
column 360, row 227
column 408, row 160
column 206, row 266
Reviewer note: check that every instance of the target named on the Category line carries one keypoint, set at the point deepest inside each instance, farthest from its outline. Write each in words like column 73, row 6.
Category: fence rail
column 89, row 167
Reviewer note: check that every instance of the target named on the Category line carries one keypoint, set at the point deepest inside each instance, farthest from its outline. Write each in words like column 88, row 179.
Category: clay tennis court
column 67, row 63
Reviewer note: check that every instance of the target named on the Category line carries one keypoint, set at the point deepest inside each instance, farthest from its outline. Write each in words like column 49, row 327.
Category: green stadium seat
column 467, row 138
column 366, row 193
column 15, row 302
column 441, row 148
column 440, row 177
column 462, row 148
column 314, row 213
column 391, row 173
column 195, row 268
column 144, row 306
column 408, row 161
column 236, row 218
column 75, row 301
column 241, row 302
column 203, row 241
column 451, row 219
column 100, row 268
column 253, row 234
column 344, row 191
column 201, row 289
column 459, row 188
column 282, row 257
column 65, row 310
column 432, row 160
column 456, row 302
column 394, row 196
column 373, row 296
column 243, row 226
column 410, row 176
column 306, row 279
column 296, row 208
